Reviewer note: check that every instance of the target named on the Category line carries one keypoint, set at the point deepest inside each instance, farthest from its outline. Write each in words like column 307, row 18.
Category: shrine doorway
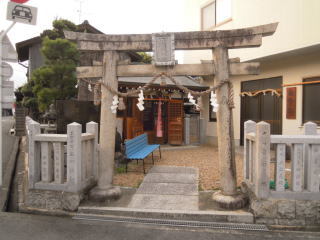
column 171, row 120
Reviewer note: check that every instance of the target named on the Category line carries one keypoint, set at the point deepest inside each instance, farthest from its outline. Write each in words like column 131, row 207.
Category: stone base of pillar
column 230, row 202
column 100, row 195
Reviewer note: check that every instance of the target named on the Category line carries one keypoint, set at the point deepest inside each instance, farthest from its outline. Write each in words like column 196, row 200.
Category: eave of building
column 288, row 54
column 23, row 47
column 140, row 81
column 86, row 27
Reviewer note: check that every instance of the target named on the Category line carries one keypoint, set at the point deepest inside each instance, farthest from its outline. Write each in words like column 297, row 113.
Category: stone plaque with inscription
column 163, row 49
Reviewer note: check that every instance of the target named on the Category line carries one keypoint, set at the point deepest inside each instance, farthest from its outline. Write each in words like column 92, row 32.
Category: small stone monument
column 51, row 114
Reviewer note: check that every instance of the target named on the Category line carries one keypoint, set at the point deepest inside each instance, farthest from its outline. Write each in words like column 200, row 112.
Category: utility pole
column 80, row 9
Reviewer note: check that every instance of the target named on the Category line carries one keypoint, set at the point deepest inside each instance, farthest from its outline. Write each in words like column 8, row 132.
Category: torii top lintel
column 236, row 38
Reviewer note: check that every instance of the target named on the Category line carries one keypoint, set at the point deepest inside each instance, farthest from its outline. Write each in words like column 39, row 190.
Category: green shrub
column 273, row 185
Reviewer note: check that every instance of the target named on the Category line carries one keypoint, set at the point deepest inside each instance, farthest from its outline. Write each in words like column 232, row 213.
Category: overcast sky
column 109, row 16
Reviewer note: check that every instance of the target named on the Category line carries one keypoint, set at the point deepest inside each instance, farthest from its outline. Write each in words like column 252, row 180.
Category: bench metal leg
column 160, row 151
column 144, row 171
column 127, row 160
column 152, row 158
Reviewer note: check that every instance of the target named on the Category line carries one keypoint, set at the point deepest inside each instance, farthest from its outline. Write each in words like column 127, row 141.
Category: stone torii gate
column 221, row 67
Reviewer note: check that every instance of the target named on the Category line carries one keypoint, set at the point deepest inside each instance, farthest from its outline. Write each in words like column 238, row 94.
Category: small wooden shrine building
column 169, row 126
column 174, row 109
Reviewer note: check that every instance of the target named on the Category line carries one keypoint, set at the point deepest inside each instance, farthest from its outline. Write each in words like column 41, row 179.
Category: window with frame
column 215, row 13
column 311, row 98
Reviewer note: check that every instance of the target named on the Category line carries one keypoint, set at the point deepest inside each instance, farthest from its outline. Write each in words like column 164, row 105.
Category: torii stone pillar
column 228, row 197
column 105, row 190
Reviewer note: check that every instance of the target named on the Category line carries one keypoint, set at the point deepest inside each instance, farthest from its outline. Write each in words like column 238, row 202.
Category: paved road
column 15, row 226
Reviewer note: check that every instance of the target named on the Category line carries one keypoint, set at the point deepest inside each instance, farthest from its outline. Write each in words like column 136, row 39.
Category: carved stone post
column 310, row 128
column 249, row 127
column 228, row 197
column 34, row 153
column 262, row 160
column 74, row 157
column 93, row 127
column 104, row 190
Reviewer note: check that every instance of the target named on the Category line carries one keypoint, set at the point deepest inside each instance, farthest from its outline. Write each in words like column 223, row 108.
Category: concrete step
column 182, row 178
column 164, row 202
column 238, row 216
column 173, row 169
column 168, row 189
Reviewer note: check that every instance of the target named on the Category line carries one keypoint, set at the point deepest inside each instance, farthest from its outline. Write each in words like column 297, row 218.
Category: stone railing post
column 187, row 129
column 262, row 160
column 311, row 177
column 92, row 127
column 33, row 153
column 297, row 167
column 280, row 167
column 74, row 131
column 59, row 174
column 46, row 162
column 202, row 130
column 249, row 127
column 310, row 128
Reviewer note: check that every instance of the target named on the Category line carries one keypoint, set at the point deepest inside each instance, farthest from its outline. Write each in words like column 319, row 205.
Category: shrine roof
column 186, row 81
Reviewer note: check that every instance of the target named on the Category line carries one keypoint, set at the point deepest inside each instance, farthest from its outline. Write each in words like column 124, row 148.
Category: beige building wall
column 298, row 25
column 292, row 69
column 297, row 29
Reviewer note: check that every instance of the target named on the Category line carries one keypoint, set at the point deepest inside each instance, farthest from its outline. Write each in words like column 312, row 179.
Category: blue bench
column 138, row 149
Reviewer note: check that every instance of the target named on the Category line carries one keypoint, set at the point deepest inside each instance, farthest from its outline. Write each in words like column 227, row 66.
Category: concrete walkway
column 168, row 188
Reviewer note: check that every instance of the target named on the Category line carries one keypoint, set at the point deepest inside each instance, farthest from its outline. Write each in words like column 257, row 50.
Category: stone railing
column 305, row 162
column 51, row 169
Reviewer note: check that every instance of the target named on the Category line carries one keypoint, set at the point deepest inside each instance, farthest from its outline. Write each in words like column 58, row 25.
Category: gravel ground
column 205, row 158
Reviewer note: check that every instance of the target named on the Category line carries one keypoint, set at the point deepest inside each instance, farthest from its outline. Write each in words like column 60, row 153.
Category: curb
column 46, row 212
column 206, row 216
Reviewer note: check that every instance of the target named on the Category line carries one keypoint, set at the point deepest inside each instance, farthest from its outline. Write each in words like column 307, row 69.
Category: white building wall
column 298, row 25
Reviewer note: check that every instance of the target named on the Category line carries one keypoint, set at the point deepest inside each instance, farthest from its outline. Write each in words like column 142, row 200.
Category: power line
column 80, row 9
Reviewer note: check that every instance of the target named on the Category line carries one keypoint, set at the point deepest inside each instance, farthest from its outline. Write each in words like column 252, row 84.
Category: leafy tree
column 57, row 78
column 146, row 58
column 58, row 27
